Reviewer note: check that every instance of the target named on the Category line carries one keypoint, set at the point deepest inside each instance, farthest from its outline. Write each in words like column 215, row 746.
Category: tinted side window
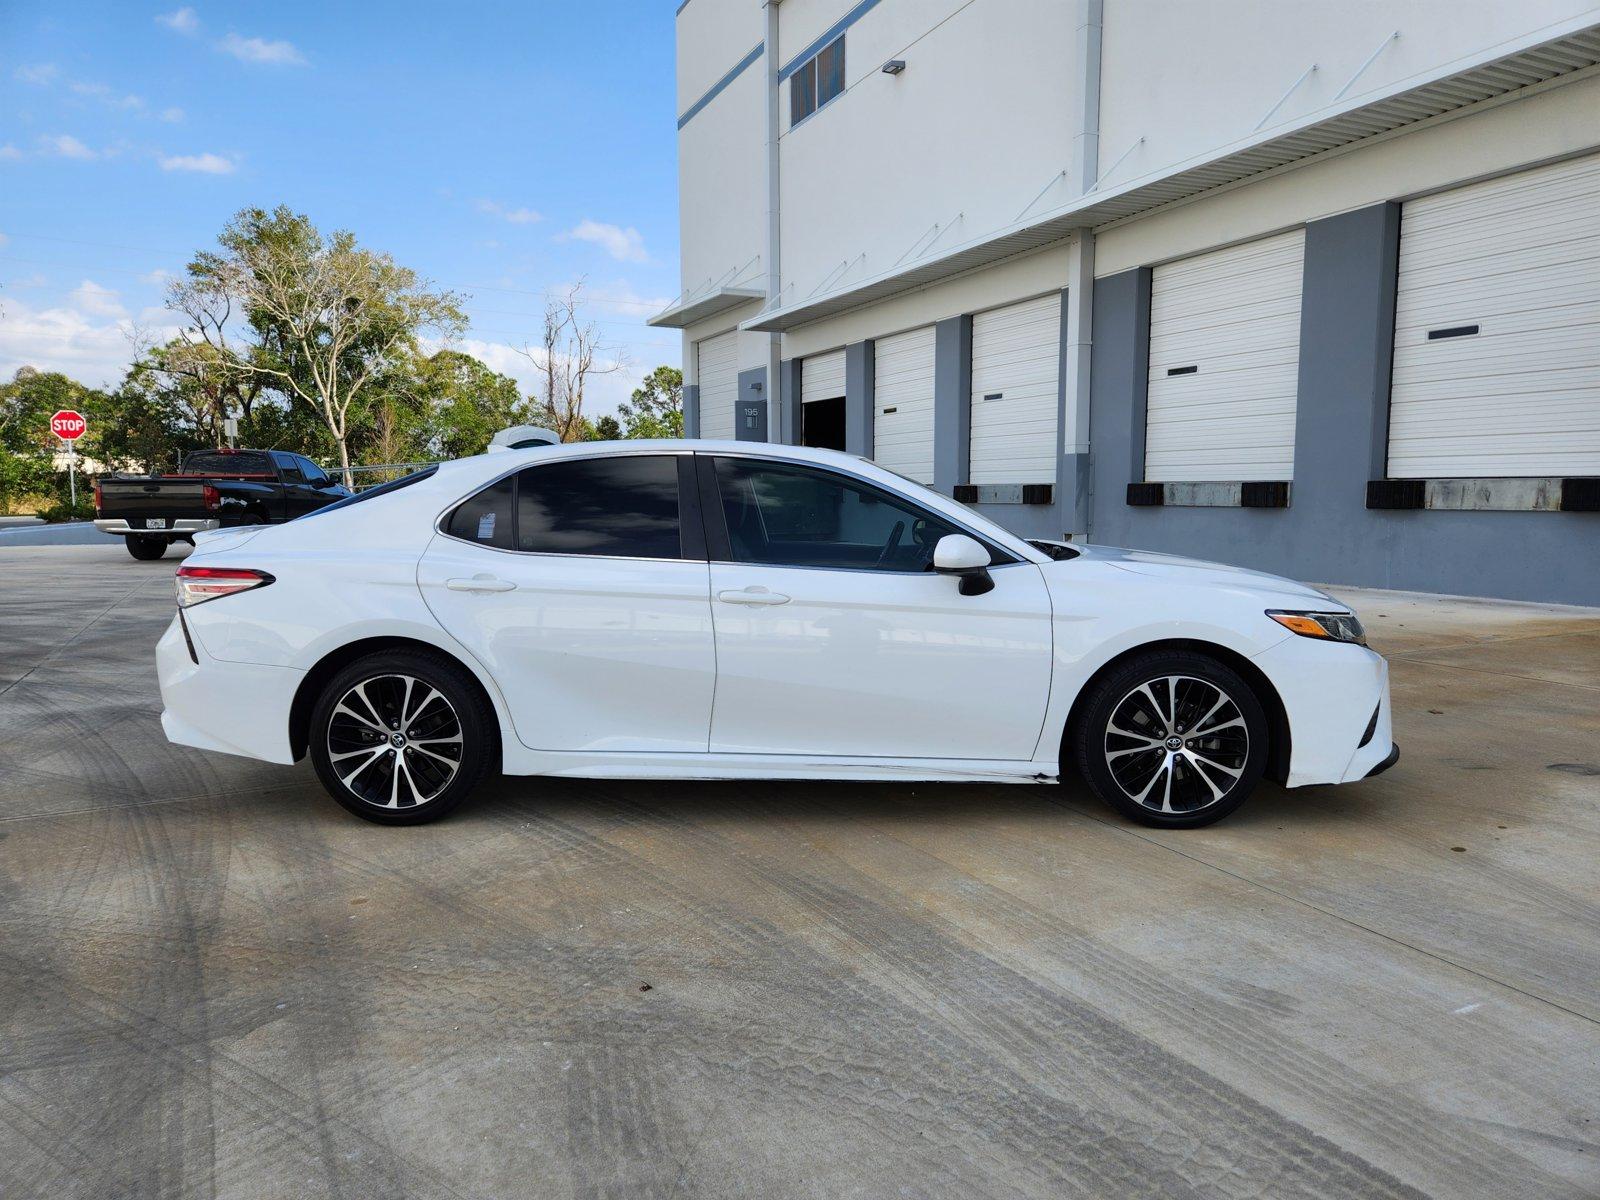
column 625, row 506
column 288, row 467
column 798, row 516
column 486, row 518
column 312, row 472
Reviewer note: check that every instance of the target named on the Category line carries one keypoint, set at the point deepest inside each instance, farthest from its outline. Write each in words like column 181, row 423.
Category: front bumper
column 119, row 527
column 234, row 708
column 1329, row 692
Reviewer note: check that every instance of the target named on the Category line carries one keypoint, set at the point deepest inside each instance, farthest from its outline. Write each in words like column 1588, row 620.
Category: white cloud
column 63, row 338
column 172, row 115
column 156, row 278
column 64, row 145
column 602, row 395
column 205, row 164
column 9, row 153
column 103, row 92
column 38, row 73
column 517, row 216
column 183, row 20
column 96, row 300
column 624, row 245
column 261, row 50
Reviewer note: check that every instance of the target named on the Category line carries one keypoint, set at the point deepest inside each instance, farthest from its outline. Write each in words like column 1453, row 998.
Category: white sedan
column 728, row 610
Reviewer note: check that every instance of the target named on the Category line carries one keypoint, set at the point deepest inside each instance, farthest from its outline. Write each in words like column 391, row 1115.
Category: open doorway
column 822, row 423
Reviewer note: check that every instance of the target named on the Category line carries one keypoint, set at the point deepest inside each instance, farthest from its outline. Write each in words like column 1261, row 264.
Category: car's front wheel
column 145, row 549
column 401, row 737
column 1174, row 739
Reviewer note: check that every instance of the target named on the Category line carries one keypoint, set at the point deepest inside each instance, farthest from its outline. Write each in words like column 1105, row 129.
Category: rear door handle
column 480, row 583
column 752, row 595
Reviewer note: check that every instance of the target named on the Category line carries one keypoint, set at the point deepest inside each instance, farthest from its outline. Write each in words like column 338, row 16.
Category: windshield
column 383, row 489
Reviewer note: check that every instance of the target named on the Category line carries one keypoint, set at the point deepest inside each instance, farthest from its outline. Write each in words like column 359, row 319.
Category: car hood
column 1196, row 572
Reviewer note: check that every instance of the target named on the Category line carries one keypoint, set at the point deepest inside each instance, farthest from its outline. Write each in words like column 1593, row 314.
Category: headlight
column 1329, row 626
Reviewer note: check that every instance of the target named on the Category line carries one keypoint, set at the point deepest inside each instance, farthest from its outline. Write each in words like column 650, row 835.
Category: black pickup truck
column 213, row 489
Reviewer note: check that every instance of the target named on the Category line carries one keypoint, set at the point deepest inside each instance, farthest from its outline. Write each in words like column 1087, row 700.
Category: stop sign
column 68, row 425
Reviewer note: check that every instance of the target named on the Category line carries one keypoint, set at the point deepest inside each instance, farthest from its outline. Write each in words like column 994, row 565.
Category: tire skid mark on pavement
column 1085, row 1052
column 1231, row 1030
column 148, row 1038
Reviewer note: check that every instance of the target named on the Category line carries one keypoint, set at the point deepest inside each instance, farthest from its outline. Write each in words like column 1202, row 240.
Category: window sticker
column 486, row 527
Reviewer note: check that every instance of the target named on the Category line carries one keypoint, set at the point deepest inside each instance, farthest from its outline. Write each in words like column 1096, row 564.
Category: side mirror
column 965, row 557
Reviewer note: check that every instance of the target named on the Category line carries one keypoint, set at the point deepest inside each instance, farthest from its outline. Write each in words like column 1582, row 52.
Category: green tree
column 465, row 403
column 27, row 447
column 327, row 318
column 655, row 410
column 146, row 423
column 606, row 429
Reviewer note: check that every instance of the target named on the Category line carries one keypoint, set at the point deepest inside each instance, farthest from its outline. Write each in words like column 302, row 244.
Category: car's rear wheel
column 1174, row 739
column 145, row 549
column 401, row 737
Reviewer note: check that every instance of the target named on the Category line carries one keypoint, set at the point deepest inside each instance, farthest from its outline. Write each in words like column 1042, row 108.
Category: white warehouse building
column 1310, row 287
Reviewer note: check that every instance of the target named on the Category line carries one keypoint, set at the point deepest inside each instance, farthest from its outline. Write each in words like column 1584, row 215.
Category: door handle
column 480, row 583
column 752, row 595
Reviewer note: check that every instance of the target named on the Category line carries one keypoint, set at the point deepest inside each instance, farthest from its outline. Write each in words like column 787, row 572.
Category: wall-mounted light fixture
column 894, row 66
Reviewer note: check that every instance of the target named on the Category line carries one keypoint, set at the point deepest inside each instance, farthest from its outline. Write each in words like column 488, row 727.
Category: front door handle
column 752, row 595
column 480, row 583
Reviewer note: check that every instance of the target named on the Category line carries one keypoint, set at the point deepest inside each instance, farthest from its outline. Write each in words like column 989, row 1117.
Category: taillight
column 196, row 585
column 97, row 499
column 210, row 497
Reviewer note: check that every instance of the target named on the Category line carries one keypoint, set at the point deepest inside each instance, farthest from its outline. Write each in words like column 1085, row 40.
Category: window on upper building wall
column 819, row 80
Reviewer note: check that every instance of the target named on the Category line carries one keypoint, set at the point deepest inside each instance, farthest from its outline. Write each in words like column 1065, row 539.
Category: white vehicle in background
column 726, row 610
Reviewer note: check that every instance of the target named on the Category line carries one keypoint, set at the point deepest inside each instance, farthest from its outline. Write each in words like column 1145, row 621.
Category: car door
column 581, row 585
column 322, row 490
column 295, row 494
column 834, row 637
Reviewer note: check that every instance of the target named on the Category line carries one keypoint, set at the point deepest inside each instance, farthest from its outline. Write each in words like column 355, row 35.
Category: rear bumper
column 119, row 527
column 234, row 708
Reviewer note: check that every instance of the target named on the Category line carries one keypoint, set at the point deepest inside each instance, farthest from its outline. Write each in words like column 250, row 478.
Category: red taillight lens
column 196, row 585
column 97, row 499
column 210, row 497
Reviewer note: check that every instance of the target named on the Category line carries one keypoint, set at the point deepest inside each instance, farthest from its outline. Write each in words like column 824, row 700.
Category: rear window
column 215, row 462
column 383, row 489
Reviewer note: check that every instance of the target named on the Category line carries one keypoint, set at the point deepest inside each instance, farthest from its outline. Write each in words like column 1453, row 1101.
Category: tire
column 145, row 549
column 1133, row 749
column 445, row 749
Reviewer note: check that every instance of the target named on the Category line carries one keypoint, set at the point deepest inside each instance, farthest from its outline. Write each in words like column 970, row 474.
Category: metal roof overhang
column 1572, row 50
column 698, row 308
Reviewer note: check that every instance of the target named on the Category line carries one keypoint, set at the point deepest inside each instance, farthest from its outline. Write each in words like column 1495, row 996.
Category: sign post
column 69, row 426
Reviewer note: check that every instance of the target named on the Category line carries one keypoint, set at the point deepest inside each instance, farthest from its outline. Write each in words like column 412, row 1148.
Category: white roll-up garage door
column 822, row 377
column 1225, row 363
column 718, row 364
column 1016, row 371
column 1497, row 329
column 902, row 423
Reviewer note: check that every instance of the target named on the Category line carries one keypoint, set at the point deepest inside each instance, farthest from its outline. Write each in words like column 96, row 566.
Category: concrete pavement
column 214, row 982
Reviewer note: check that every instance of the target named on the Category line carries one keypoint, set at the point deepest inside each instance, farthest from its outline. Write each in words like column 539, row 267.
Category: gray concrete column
column 952, row 402
column 1341, row 433
column 858, row 406
column 691, row 410
column 750, row 409
column 1119, row 384
column 793, row 427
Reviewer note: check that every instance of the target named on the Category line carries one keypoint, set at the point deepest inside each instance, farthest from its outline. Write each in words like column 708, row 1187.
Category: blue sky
column 501, row 149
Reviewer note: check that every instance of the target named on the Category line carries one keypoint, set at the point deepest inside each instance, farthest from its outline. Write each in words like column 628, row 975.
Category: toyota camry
column 733, row 610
